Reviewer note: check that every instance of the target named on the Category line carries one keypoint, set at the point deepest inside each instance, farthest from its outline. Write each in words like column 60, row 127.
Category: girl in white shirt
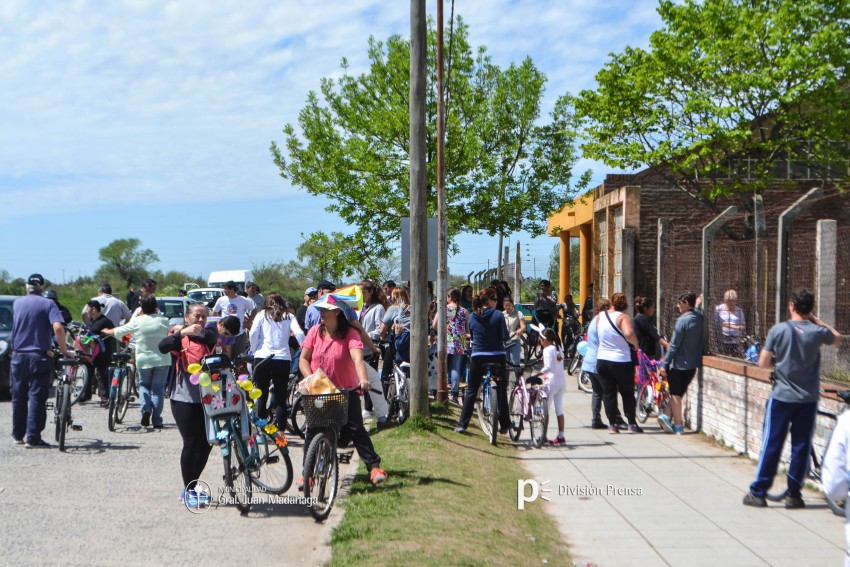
column 556, row 381
column 270, row 336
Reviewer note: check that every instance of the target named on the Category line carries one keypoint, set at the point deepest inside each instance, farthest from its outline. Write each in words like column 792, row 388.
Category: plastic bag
column 317, row 383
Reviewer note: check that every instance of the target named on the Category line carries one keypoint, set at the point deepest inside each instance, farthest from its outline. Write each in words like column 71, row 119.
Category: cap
column 325, row 284
column 327, row 302
column 36, row 279
column 310, row 291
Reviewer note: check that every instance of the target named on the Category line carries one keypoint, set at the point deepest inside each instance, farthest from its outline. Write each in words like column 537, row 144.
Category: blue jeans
column 30, row 379
column 152, row 391
column 513, row 352
column 455, row 365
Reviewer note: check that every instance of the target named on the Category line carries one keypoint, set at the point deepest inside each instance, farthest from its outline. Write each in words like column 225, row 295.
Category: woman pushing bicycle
column 335, row 347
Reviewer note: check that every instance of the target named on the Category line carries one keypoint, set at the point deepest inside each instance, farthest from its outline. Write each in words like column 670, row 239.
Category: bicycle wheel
column 482, row 407
column 539, row 420
column 124, row 388
column 515, row 406
column 57, row 411
column 584, row 383
column 403, row 403
column 644, row 402
column 494, row 416
column 81, row 383
column 575, row 363
column 64, row 415
column 236, row 478
column 271, row 468
column 837, row 506
column 113, row 408
column 297, row 419
column 321, row 474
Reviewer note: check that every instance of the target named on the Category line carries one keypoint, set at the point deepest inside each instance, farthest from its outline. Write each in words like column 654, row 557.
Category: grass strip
column 450, row 499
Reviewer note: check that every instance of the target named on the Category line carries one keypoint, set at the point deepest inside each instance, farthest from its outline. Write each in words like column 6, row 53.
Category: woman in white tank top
column 614, row 362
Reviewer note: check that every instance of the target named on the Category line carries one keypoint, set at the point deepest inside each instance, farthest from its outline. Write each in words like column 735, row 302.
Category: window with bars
column 602, row 223
column 618, row 249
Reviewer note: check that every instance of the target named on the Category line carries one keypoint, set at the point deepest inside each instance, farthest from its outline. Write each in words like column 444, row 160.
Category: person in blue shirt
column 35, row 321
column 489, row 334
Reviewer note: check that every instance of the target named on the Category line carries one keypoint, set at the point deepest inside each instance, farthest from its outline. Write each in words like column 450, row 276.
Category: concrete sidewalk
column 661, row 499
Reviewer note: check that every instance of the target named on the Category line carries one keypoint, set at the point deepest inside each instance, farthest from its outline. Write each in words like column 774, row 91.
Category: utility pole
column 442, row 239
column 418, row 215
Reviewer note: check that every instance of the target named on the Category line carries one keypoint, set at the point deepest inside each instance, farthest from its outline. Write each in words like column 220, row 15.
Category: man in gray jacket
column 684, row 357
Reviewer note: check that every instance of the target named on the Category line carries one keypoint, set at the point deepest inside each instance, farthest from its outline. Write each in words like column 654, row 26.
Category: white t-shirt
column 238, row 306
column 552, row 367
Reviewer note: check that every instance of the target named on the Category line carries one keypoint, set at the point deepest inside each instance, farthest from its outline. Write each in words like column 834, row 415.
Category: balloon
column 242, row 378
column 204, row 379
column 582, row 348
column 246, row 385
column 194, row 379
column 193, row 368
column 255, row 393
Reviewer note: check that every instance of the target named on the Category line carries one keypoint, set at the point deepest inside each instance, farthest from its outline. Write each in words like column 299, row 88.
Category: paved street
column 112, row 499
column 660, row 499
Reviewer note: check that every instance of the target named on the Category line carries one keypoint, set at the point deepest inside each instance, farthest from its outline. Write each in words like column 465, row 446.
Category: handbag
column 632, row 350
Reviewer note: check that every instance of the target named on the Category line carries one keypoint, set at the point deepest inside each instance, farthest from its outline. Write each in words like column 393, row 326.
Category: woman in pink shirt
column 335, row 347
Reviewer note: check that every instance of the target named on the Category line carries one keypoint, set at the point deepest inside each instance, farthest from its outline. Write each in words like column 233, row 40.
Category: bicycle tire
column 644, row 405
column 57, row 411
column 482, row 408
column 271, row 470
column 837, row 506
column 64, row 415
column 584, row 383
column 124, row 389
column 575, row 363
column 82, row 383
column 113, row 409
column 403, row 403
column 494, row 415
column 233, row 469
column 515, row 406
column 297, row 419
column 321, row 476
column 539, row 420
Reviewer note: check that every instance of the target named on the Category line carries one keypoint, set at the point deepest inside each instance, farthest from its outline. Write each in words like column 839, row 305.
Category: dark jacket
column 489, row 331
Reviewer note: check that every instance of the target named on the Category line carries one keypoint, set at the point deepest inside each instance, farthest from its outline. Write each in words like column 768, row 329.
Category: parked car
column 174, row 308
column 6, row 345
column 208, row 295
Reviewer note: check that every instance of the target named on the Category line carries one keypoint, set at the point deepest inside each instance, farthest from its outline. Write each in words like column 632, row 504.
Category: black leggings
column 354, row 431
column 476, row 377
column 196, row 449
column 617, row 376
column 272, row 372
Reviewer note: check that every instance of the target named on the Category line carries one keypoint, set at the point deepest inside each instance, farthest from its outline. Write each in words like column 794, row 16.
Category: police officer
column 35, row 317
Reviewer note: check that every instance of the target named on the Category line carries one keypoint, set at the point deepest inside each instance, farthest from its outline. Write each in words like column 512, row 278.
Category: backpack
column 191, row 352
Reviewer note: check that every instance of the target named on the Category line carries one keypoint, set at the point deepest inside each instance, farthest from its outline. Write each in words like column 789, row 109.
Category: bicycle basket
column 89, row 346
column 326, row 410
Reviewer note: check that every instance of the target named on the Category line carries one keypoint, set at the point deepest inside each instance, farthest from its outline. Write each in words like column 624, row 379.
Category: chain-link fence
column 681, row 271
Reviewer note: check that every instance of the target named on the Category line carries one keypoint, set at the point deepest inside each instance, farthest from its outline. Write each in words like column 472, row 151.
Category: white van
column 239, row 277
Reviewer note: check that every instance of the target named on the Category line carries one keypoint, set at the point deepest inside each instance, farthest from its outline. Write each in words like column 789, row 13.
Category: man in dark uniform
column 35, row 319
column 587, row 309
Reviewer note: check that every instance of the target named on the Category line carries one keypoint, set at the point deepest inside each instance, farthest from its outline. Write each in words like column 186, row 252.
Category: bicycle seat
column 69, row 362
column 535, row 380
column 121, row 357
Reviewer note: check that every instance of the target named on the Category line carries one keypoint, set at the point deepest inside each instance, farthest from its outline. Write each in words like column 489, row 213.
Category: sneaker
column 194, row 500
column 634, row 428
column 622, row 424
column 612, row 429
column 794, row 502
column 460, row 429
column 679, row 429
column 557, row 441
column 751, row 499
column 40, row 444
column 299, row 484
column 598, row 425
column 665, row 423
column 160, row 426
column 182, row 494
column 454, row 400
column 146, row 419
column 367, row 415
column 377, row 476
column 17, row 441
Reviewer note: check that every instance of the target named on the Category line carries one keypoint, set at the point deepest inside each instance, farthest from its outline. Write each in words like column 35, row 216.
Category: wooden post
column 442, row 240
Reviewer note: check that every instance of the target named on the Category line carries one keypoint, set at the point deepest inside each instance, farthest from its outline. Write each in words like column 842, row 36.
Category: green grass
column 450, row 499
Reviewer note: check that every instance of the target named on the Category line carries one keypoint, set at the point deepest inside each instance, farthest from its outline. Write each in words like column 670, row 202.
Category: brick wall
column 733, row 399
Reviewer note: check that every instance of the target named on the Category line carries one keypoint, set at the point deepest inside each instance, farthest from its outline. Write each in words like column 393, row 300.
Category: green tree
column 329, row 257
column 126, row 260
column 728, row 91
column 505, row 171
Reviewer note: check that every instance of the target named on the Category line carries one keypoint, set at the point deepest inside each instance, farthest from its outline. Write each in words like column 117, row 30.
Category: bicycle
column 62, row 407
column 531, row 346
column 528, row 403
column 325, row 414
column 815, row 462
column 120, row 390
column 487, row 404
column 653, row 392
column 396, row 388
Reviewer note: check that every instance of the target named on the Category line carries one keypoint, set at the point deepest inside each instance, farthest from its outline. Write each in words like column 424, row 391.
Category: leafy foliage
column 124, row 259
column 504, row 170
column 728, row 91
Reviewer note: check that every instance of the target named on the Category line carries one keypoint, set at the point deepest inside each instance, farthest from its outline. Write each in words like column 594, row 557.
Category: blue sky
column 153, row 120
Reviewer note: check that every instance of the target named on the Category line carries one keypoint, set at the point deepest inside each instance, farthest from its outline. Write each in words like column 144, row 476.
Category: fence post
column 825, row 266
column 660, row 298
column 760, row 231
column 708, row 232
column 627, row 267
column 786, row 227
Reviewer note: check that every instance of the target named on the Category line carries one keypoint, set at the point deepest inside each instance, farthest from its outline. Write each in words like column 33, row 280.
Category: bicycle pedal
column 77, row 427
column 273, row 459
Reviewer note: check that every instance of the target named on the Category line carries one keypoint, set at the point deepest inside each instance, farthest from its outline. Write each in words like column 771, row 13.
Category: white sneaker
column 367, row 415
